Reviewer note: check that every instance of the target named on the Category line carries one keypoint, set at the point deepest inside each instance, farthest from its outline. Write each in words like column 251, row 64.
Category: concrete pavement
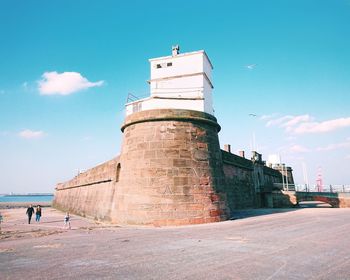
column 306, row 243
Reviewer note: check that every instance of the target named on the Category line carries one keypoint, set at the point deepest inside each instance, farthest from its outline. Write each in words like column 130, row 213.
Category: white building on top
column 179, row 81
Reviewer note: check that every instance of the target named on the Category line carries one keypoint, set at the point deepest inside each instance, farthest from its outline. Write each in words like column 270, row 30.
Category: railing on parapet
column 284, row 187
column 132, row 98
column 325, row 188
column 312, row 188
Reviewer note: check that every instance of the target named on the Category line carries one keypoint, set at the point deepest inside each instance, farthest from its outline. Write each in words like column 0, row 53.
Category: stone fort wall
column 171, row 171
column 89, row 194
column 248, row 183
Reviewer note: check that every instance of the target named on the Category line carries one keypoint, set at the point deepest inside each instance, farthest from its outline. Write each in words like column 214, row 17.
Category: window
column 117, row 173
column 163, row 65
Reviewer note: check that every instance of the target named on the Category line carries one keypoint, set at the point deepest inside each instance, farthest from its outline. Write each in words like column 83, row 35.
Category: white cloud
column 335, row 146
column 303, row 124
column 279, row 121
column 64, row 83
column 298, row 149
column 250, row 66
column 294, row 150
column 31, row 134
column 268, row 117
column 295, row 121
column 321, row 127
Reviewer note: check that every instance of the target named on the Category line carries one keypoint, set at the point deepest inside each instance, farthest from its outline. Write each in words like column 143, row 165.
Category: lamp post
column 254, row 148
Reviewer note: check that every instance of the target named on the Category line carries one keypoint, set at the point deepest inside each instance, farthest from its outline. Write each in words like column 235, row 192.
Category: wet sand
column 306, row 243
column 9, row 205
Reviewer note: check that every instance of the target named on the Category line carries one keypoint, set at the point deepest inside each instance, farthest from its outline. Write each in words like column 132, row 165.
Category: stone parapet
column 90, row 193
column 170, row 114
column 102, row 173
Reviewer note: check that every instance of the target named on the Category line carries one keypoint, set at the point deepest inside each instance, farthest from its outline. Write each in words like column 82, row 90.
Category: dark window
column 159, row 66
column 117, row 173
column 169, row 64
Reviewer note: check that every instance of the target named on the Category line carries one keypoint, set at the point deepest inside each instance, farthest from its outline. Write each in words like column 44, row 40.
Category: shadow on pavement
column 247, row 213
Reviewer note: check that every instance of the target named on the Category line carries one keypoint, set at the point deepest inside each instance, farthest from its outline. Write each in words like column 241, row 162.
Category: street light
column 254, row 148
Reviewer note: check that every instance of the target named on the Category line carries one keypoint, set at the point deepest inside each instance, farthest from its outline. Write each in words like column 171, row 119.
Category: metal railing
column 313, row 188
column 284, row 186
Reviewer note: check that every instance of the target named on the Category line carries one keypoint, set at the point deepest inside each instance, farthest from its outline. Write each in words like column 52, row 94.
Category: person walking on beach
column 30, row 212
column 66, row 221
column 0, row 221
column 38, row 213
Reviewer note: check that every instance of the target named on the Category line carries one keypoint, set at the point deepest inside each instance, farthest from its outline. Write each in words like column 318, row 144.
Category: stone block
column 185, row 154
column 181, row 163
column 180, row 181
column 154, row 145
column 148, row 154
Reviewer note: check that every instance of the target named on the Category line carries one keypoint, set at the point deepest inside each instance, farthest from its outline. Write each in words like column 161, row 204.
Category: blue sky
column 298, row 82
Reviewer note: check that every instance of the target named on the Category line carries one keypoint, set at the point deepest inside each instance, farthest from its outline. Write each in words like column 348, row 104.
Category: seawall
column 171, row 171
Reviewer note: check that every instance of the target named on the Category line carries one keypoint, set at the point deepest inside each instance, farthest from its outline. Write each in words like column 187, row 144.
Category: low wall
column 282, row 199
column 248, row 183
column 344, row 200
column 89, row 194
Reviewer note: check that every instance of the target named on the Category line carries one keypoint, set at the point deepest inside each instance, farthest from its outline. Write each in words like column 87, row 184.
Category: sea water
column 26, row 198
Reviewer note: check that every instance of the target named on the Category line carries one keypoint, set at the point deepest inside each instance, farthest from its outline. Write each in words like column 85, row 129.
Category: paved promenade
column 309, row 243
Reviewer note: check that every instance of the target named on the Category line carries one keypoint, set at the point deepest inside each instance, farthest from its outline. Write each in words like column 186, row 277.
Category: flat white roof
column 181, row 55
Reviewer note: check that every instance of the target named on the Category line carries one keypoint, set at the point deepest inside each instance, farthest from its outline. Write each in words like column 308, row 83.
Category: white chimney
column 175, row 50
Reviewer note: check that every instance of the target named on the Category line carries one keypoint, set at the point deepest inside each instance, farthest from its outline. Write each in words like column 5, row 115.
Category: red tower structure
column 319, row 181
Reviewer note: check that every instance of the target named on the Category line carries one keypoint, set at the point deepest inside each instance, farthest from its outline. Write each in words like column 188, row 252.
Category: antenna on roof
column 175, row 50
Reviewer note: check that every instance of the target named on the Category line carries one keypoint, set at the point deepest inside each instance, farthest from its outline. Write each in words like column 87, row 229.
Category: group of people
column 30, row 212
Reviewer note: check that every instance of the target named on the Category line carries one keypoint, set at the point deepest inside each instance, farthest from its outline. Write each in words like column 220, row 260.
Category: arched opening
column 314, row 204
column 117, row 172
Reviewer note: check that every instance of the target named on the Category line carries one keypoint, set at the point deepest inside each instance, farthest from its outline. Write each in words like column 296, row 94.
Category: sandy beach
column 11, row 205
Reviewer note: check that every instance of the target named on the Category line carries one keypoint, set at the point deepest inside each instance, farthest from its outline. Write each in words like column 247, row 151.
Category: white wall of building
column 182, row 81
column 160, row 103
column 182, row 64
column 181, row 87
column 208, row 97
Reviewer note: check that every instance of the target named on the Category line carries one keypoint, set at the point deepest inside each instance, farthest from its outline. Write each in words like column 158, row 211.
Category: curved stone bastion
column 170, row 172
